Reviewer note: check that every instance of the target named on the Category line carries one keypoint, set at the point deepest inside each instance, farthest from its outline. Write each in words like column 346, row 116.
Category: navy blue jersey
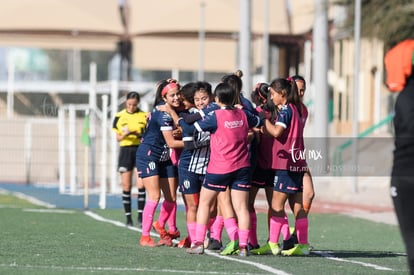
column 196, row 153
column 153, row 143
column 247, row 104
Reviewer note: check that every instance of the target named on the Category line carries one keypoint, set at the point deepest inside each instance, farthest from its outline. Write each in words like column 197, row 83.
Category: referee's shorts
column 126, row 158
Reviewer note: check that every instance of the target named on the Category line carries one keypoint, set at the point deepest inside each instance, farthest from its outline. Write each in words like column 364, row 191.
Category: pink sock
column 253, row 229
column 276, row 224
column 165, row 211
column 172, row 218
column 148, row 217
column 192, row 229
column 302, row 227
column 201, row 230
column 285, row 230
column 210, row 226
column 231, row 228
column 243, row 237
column 217, row 228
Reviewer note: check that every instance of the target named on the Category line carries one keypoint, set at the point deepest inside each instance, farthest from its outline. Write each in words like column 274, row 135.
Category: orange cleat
column 174, row 234
column 165, row 241
column 184, row 243
column 159, row 229
column 147, row 241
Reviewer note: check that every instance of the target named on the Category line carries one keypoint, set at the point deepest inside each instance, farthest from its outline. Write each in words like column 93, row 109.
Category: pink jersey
column 228, row 144
column 264, row 154
column 305, row 114
column 289, row 149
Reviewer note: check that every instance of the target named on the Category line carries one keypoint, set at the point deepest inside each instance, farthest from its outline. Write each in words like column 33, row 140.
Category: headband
column 168, row 87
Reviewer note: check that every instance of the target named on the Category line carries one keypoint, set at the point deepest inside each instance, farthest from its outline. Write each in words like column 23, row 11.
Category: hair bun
column 239, row 73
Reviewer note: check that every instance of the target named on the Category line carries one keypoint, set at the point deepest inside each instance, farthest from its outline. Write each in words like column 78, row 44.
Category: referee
column 129, row 125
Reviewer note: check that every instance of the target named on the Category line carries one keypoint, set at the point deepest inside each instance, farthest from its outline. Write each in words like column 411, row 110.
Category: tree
column 389, row 21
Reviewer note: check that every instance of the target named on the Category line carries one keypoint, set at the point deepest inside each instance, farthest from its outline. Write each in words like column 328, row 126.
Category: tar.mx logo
column 299, row 154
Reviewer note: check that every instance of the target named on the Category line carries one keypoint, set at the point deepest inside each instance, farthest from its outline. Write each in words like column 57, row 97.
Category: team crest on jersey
column 275, row 181
column 151, row 165
column 186, row 184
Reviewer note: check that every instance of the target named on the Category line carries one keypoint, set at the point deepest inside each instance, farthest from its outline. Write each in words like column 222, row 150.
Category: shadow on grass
column 357, row 254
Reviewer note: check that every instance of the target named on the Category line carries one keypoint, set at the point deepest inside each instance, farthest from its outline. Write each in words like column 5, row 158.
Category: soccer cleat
column 294, row 238
column 251, row 247
column 207, row 240
column 231, row 248
column 160, row 230
column 297, row 250
column 268, row 248
column 174, row 234
column 129, row 221
column 147, row 241
column 288, row 244
column 165, row 241
column 184, row 243
column 214, row 245
column 244, row 251
column 196, row 249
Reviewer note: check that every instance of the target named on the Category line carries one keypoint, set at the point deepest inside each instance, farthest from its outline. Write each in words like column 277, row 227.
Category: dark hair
column 160, row 86
column 225, row 94
column 261, row 96
column 235, row 81
column 292, row 94
column 188, row 91
column 260, row 93
column 299, row 78
column 133, row 95
column 204, row 86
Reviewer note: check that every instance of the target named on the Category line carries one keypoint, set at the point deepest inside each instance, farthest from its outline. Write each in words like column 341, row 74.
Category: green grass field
column 36, row 240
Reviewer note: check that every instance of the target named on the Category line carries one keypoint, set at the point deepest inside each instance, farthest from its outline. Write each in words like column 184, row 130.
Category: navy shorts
column 147, row 167
column 237, row 180
column 288, row 182
column 189, row 182
column 126, row 158
column 263, row 177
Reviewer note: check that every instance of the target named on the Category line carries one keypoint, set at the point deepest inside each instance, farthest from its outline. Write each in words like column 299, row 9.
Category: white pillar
column 320, row 75
column 114, row 142
column 27, row 149
column 92, row 120
column 61, row 138
column 201, row 40
column 245, row 44
column 72, row 149
column 104, row 133
column 10, row 88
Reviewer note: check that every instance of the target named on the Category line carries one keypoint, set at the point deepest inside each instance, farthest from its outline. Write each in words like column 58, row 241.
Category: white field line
column 30, row 199
column 332, row 257
column 257, row 265
column 60, row 211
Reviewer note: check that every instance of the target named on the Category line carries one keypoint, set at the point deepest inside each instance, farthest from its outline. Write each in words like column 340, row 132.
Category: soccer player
column 228, row 167
column 155, row 167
